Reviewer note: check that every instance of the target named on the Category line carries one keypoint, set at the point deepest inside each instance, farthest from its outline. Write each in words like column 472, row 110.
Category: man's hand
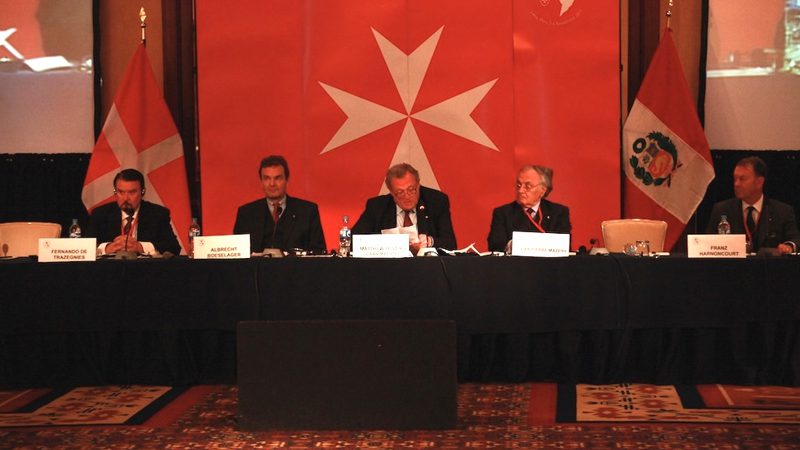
column 424, row 241
column 118, row 244
column 785, row 249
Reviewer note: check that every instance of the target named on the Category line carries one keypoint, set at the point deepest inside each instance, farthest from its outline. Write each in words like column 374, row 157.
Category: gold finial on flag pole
column 669, row 13
column 143, row 26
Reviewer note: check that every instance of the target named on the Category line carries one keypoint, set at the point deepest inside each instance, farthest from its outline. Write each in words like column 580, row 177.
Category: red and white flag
column 467, row 91
column 139, row 133
column 666, row 157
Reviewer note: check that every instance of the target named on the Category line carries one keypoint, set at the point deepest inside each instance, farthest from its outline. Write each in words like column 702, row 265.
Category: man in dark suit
column 530, row 211
column 408, row 204
column 280, row 221
column 131, row 223
column 766, row 223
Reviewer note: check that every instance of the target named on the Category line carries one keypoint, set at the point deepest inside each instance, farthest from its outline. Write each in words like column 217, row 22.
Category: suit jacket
column 776, row 223
column 380, row 213
column 298, row 227
column 153, row 226
column 510, row 217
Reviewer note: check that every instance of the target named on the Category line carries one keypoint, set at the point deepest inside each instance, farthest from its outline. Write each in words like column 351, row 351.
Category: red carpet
column 496, row 416
column 106, row 405
column 662, row 404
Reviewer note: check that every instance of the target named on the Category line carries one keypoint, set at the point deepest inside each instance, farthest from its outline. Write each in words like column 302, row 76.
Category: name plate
column 539, row 244
column 381, row 246
column 716, row 246
column 232, row 246
column 67, row 250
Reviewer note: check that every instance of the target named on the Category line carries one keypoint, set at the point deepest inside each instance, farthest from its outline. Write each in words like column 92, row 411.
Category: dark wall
column 43, row 188
column 783, row 178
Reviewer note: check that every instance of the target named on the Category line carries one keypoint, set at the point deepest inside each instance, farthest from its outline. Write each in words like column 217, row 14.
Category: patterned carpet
column 490, row 416
column 662, row 404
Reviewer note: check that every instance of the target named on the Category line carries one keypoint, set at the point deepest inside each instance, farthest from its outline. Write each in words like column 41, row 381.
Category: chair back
column 22, row 238
column 617, row 233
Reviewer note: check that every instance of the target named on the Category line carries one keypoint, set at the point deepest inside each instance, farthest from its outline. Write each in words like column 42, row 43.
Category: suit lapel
column 519, row 218
column 142, row 222
column 115, row 224
column 389, row 217
column 762, row 227
column 544, row 212
column 735, row 217
column 422, row 219
column 286, row 222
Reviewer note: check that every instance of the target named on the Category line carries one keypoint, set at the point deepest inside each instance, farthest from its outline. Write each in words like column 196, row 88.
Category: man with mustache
column 131, row 223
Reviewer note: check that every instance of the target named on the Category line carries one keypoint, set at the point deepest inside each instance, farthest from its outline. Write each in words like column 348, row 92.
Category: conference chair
column 617, row 233
column 22, row 238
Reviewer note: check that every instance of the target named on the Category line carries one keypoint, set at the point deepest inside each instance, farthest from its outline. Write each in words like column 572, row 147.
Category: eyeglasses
column 408, row 192
column 527, row 186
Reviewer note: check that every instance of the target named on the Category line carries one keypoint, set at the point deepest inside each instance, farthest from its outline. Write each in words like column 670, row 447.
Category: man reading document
column 409, row 208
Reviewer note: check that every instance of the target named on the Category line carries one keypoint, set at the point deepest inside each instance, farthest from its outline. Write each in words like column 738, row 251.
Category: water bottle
column 724, row 227
column 345, row 238
column 74, row 229
column 194, row 230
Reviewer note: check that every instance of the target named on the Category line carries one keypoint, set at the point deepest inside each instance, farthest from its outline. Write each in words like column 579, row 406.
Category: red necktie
column 276, row 211
column 126, row 229
column 407, row 219
column 536, row 220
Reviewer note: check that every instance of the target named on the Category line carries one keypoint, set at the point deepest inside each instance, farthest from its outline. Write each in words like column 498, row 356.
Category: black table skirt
column 582, row 319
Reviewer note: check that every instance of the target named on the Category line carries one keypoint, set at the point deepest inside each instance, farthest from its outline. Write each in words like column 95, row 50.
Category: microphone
column 582, row 250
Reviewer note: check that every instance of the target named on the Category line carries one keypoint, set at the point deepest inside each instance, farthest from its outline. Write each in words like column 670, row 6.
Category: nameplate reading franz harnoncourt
column 67, row 250
column 539, row 244
column 231, row 246
column 716, row 246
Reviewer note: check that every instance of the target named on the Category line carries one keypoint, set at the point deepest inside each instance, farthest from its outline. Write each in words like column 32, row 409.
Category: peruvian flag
column 139, row 133
column 666, row 157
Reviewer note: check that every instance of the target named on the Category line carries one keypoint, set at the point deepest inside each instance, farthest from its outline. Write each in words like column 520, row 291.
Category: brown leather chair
column 22, row 238
column 617, row 233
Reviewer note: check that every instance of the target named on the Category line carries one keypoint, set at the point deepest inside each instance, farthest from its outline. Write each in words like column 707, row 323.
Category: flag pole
column 669, row 13
column 143, row 26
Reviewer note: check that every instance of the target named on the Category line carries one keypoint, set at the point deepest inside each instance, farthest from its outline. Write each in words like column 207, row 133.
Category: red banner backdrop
column 466, row 91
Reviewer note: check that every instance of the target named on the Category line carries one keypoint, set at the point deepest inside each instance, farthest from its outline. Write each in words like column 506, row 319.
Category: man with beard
column 131, row 224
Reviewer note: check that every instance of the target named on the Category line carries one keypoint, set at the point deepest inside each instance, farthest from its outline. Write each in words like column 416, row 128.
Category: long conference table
column 595, row 319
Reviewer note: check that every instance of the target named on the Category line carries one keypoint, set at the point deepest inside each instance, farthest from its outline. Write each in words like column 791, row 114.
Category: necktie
column 276, row 211
column 751, row 220
column 407, row 218
column 127, row 228
column 536, row 219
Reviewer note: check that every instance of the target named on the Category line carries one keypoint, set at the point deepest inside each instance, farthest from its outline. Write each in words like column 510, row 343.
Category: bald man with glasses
column 529, row 211
column 409, row 204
